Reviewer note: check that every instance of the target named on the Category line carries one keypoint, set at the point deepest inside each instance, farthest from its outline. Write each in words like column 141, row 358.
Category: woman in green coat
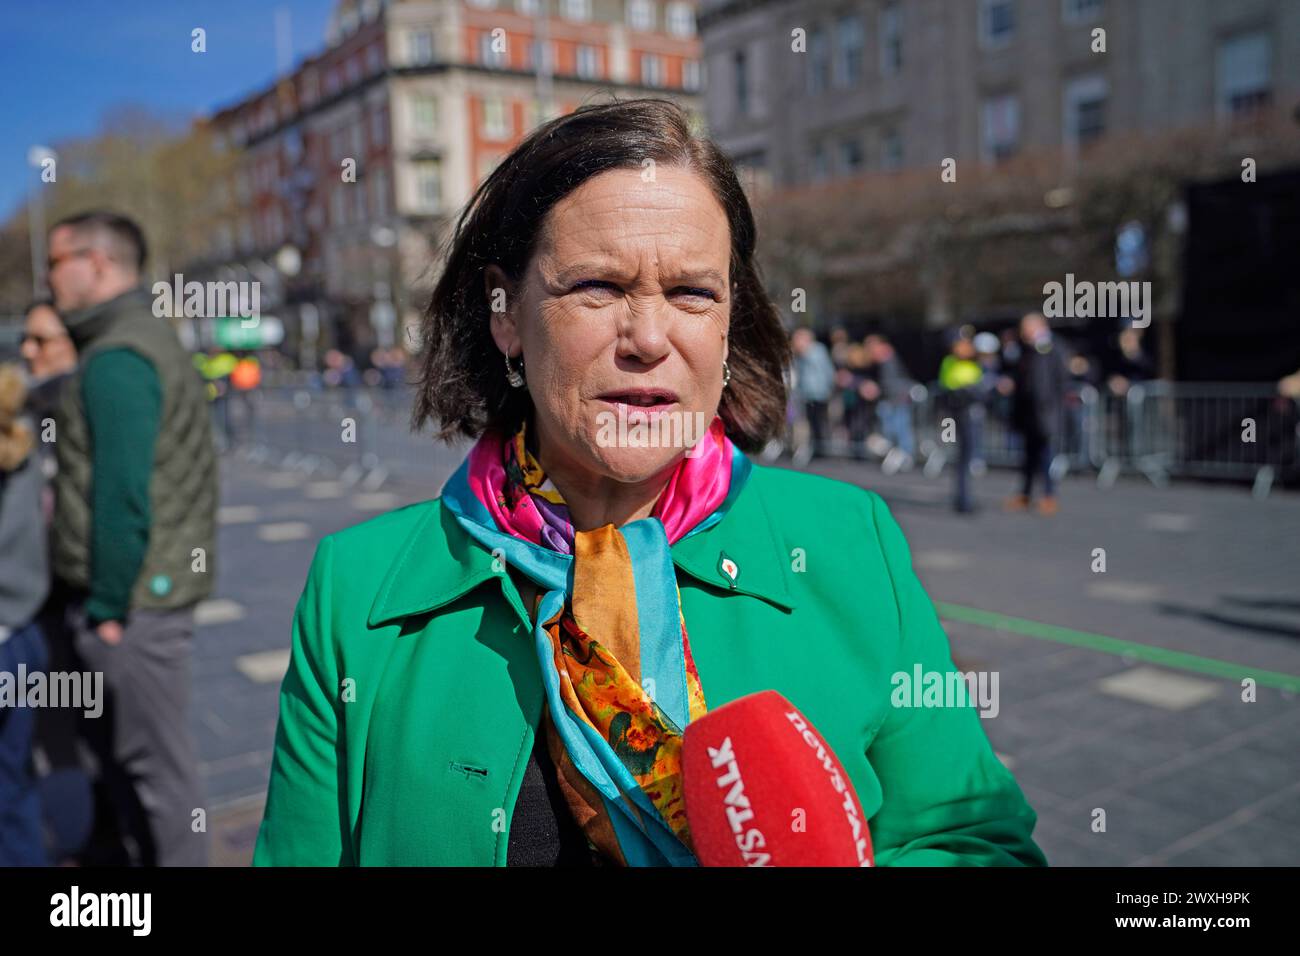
column 502, row 676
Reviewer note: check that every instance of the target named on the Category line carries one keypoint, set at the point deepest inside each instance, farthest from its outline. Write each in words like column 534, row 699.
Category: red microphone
column 762, row 788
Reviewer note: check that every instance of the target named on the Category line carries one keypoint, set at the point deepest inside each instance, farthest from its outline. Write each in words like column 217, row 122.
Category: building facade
column 347, row 174
column 852, row 112
column 806, row 91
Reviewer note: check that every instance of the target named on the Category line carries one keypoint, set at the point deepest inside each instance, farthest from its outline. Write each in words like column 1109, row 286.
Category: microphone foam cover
column 762, row 788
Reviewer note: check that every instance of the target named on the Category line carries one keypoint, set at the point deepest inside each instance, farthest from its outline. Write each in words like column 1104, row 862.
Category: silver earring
column 515, row 376
column 726, row 373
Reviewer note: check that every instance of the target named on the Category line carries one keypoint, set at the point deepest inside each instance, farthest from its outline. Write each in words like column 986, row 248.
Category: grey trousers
column 148, row 762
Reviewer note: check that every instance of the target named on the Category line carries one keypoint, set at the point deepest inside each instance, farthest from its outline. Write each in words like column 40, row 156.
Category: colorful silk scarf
column 611, row 640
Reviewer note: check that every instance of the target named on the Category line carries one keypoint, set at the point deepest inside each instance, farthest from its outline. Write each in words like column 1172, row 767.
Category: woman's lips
column 625, row 407
column 648, row 400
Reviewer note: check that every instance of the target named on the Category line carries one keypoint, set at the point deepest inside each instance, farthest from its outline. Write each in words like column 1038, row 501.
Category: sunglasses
column 53, row 262
column 42, row 340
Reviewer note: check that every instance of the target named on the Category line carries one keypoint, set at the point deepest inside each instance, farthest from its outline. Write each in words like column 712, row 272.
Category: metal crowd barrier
column 359, row 436
column 1159, row 430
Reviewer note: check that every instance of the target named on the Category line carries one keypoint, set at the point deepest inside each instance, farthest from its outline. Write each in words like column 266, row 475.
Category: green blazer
column 413, row 692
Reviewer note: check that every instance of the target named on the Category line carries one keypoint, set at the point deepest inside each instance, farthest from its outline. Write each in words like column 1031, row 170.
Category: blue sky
column 64, row 63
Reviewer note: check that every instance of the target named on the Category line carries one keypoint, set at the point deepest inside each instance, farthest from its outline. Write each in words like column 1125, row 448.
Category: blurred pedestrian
column 963, row 388
column 50, row 357
column 24, row 584
column 1080, row 405
column 988, row 352
column 1038, row 391
column 66, row 800
column 245, row 378
column 1130, row 369
column 852, row 380
column 895, row 406
column 814, row 378
column 216, row 368
column 133, row 537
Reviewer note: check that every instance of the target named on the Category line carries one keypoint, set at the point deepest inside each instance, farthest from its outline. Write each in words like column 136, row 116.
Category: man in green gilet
column 133, row 531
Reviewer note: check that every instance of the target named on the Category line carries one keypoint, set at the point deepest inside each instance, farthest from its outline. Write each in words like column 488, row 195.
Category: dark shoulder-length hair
column 462, row 386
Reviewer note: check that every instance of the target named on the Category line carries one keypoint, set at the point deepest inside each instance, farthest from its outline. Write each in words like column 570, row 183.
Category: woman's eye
column 691, row 291
column 594, row 284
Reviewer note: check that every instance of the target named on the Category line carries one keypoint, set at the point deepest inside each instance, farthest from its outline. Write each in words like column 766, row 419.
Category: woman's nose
column 644, row 332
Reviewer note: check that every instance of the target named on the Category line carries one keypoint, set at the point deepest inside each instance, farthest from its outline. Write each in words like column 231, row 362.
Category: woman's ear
column 500, row 294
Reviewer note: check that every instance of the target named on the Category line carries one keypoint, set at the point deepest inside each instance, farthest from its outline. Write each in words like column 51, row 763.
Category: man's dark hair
column 462, row 383
column 123, row 239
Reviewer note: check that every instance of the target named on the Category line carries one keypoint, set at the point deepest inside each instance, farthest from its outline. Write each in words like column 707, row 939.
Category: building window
column 310, row 88
column 819, row 61
column 374, row 60
column 1243, row 74
column 588, row 61
column 494, row 124
column 379, row 126
column 819, row 164
column 535, row 62
column 428, row 184
column 640, row 15
column 359, row 202
column 490, row 52
column 848, row 55
column 1001, row 127
column 424, row 115
column 740, row 81
column 851, row 158
column 419, row 46
column 1085, row 110
column 681, row 19
column 339, row 204
column 353, row 70
column 532, row 114
column 528, row 8
column 579, row 10
column 997, row 23
column 339, row 144
column 1081, row 11
column 891, row 39
column 891, row 151
column 380, row 193
column 691, row 78
column 652, row 70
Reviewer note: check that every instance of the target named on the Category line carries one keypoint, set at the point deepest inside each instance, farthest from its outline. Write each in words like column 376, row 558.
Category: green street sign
column 233, row 332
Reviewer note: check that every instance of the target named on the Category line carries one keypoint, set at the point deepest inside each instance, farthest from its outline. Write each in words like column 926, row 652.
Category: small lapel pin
column 728, row 569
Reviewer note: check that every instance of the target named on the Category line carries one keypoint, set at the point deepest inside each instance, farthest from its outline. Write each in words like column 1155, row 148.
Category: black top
column 542, row 830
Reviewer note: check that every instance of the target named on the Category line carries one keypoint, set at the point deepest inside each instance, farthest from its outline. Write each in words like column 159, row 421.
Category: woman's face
column 623, row 310
column 46, row 346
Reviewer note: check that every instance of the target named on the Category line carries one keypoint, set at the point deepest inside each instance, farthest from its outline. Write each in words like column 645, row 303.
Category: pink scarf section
column 696, row 489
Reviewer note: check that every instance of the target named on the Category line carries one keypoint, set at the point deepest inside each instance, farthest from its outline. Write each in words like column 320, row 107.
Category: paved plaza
column 1120, row 691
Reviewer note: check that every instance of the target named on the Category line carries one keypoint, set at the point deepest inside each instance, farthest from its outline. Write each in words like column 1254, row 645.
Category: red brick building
column 362, row 155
